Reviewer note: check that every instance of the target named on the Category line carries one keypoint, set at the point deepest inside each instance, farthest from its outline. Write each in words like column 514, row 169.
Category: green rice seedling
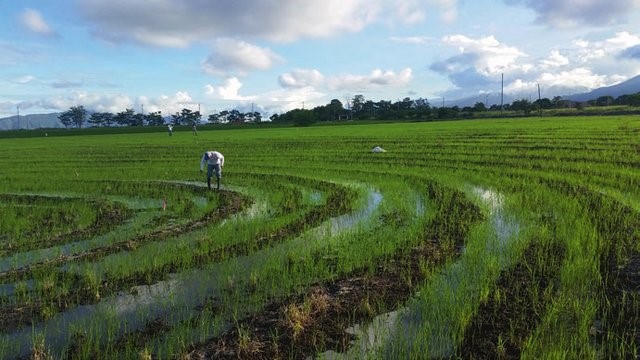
column 321, row 207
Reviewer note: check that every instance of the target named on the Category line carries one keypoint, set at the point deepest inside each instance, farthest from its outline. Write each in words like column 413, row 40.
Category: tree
column 604, row 101
column 523, row 105
column 357, row 105
column 65, row 118
column 186, row 117
column 101, row 119
column 235, row 116
column 335, row 109
column 137, row 120
column 214, row 118
column 479, row 107
column 124, row 118
column 76, row 115
column 543, row 103
column 154, row 118
column 302, row 117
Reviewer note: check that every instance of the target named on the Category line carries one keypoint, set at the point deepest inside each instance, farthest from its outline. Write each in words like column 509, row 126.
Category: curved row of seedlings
column 318, row 319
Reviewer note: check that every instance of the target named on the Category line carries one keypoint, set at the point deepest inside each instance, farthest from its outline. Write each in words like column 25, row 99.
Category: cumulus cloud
column 90, row 101
column 555, row 59
column 113, row 103
column 168, row 104
column 376, row 78
column 568, row 13
column 179, row 23
column 301, row 78
column 579, row 67
column 590, row 52
column 229, row 90
column 238, row 57
column 33, row 21
column 273, row 101
column 479, row 62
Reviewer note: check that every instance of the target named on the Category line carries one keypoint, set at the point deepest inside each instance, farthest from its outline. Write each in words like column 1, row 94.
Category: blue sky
column 276, row 55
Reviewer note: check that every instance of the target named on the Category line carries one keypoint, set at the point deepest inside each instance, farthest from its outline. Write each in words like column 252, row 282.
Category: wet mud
column 514, row 306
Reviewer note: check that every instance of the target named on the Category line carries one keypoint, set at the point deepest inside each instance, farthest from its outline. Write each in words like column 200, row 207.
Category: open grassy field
column 501, row 238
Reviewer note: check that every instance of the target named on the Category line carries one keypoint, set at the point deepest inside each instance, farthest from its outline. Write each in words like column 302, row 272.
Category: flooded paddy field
column 467, row 239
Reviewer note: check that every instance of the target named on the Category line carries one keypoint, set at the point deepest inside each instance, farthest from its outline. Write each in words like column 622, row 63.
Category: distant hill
column 631, row 86
column 628, row 87
column 34, row 121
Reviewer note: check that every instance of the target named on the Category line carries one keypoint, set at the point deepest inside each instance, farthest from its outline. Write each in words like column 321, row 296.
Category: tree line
column 78, row 116
column 357, row 108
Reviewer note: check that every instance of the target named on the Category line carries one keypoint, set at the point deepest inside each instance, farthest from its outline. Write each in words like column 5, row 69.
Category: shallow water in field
column 443, row 297
column 175, row 299
column 146, row 209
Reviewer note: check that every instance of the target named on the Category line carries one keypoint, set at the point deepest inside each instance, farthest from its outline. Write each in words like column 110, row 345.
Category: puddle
column 338, row 224
column 173, row 300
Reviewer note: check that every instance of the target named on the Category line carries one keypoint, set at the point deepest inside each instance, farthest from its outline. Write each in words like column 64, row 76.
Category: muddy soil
column 306, row 324
column 513, row 309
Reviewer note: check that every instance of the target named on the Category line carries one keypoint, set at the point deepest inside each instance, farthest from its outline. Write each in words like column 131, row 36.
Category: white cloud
column 486, row 55
column 230, row 90
column 570, row 13
column 559, row 83
column 416, row 40
column 238, row 57
column 271, row 101
column 168, row 104
column 25, row 79
column 575, row 78
column 90, row 101
column 34, row 22
column 300, row 78
column 113, row 103
column 376, row 78
column 555, row 59
column 584, row 66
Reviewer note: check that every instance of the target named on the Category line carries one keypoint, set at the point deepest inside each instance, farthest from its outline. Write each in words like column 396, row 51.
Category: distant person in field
column 170, row 129
column 215, row 162
column 194, row 129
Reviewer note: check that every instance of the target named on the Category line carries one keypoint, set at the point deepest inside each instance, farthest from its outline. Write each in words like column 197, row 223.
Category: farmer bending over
column 214, row 161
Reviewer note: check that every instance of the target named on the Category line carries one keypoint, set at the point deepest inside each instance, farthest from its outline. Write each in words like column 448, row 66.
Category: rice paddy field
column 484, row 239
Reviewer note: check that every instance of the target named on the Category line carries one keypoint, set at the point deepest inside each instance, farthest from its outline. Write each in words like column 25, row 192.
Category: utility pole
column 502, row 95
column 539, row 101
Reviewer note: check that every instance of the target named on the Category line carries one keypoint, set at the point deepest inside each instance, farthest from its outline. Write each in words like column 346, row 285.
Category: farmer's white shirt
column 212, row 158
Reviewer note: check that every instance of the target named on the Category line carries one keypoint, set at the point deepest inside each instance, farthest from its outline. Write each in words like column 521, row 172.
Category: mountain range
column 631, row 86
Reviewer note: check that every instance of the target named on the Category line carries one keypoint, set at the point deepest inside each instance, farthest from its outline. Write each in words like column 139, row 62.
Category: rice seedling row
column 319, row 213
